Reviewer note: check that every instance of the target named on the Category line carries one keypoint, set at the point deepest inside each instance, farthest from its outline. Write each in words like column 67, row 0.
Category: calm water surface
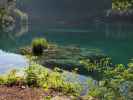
column 9, row 61
column 113, row 39
column 67, row 23
column 63, row 27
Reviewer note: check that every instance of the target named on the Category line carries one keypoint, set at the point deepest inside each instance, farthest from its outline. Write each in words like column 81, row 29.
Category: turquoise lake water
column 67, row 24
column 112, row 39
column 72, row 23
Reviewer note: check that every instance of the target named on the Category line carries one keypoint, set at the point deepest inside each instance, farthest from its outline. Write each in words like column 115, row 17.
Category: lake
column 71, row 26
column 10, row 61
column 112, row 39
column 72, row 23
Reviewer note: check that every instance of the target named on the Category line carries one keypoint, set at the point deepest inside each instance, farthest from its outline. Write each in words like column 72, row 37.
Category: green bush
column 2, row 80
column 37, row 75
column 116, row 84
column 38, row 45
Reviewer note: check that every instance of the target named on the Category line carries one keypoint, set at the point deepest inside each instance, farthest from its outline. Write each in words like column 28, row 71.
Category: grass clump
column 37, row 75
column 38, row 45
column 11, row 79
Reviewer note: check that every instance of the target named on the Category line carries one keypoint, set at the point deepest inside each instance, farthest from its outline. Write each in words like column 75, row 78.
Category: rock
column 88, row 98
column 68, row 58
column 23, row 87
column 62, row 98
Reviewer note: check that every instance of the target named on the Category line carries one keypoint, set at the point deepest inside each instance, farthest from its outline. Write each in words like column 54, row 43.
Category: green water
column 72, row 22
column 112, row 39
column 68, row 24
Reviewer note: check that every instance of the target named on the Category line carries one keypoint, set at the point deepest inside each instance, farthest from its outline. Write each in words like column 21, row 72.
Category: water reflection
column 114, row 39
column 23, row 22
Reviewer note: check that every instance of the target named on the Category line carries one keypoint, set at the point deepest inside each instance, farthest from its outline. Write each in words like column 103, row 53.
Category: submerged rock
column 68, row 58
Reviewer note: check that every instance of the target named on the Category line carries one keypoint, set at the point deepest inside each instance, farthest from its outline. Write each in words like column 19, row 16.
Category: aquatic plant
column 38, row 45
column 93, row 65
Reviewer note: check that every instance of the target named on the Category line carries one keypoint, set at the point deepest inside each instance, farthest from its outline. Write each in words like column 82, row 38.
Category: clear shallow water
column 9, row 61
column 72, row 22
column 112, row 39
column 67, row 25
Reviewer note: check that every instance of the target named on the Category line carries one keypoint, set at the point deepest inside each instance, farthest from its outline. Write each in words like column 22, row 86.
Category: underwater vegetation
column 113, row 81
column 48, row 61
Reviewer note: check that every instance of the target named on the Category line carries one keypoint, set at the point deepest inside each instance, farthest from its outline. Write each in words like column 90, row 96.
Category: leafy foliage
column 37, row 75
column 122, row 5
column 102, row 64
column 117, row 84
column 11, row 79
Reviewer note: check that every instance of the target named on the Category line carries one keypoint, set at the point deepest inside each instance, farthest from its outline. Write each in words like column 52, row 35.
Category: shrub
column 38, row 45
column 37, row 75
column 2, row 81
column 116, row 84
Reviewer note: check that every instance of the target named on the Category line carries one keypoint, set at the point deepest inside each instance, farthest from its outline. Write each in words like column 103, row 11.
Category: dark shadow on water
column 71, row 68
